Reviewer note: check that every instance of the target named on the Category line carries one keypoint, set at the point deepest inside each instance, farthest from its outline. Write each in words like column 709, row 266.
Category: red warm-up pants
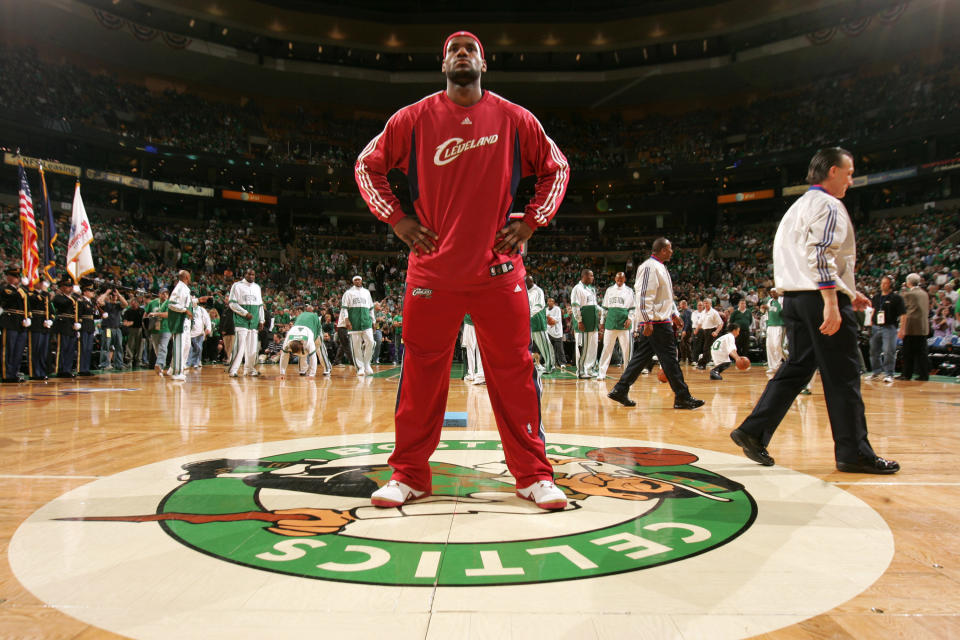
column 431, row 320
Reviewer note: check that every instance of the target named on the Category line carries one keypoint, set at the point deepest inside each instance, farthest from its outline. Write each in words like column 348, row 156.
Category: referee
column 813, row 264
column 657, row 313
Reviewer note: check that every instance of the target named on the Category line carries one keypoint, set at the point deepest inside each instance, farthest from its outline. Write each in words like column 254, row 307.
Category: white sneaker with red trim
column 394, row 494
column 545, row 494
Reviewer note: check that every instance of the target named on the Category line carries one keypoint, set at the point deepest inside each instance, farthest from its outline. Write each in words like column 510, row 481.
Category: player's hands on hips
column 510, row 239
column 648, row 329
column 416, row 236
column 860, row 302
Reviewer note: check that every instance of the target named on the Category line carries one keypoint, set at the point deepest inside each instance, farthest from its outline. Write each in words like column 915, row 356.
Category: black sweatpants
column 836, row 357
column 663, row 343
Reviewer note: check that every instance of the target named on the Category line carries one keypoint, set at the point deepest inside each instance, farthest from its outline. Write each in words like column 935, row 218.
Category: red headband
column 461, row 33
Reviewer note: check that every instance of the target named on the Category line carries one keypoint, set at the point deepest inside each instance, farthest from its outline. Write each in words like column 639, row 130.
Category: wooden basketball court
column 63, row 434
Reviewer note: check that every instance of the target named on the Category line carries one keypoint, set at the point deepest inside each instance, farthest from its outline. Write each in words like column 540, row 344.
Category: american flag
column 28, row 227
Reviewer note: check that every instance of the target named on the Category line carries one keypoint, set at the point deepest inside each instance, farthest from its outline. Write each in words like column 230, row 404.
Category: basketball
column 661, row 375
column 642, row 456
column 743, row 363
column 551, row 321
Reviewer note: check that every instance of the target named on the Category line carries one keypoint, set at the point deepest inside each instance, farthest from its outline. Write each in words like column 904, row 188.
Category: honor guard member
column 66, row 324
column 814, row 259
column 586, row 317
column 41, row 319
column 13, row 324
column 618, row 324
column 356, row 309
column 87, row 311
column 658, row 313
column 538, row 324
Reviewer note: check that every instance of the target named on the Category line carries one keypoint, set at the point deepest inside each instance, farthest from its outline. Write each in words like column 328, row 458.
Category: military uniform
column 41, row 318
column 66, row 323
column 86, row 310
column 13, row 300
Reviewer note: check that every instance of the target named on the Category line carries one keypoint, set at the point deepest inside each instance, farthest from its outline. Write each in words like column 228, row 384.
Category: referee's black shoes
column 751, row 447
column 688, row 403
column 621, row 397
column 867, row 465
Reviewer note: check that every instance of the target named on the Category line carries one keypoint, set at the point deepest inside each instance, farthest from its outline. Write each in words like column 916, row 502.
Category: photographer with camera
column 111, row 303
column 133, row 321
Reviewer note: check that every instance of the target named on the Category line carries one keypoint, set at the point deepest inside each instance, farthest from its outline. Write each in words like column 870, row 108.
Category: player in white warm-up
column 538, row 325
column 618, row 322
column 775, row 331
column 555, row 332
column 301, row 342
column 246, row 302
column 474, row 372
column 722, row 349
column 586, row 314
column 356, row 308
column 180, row 310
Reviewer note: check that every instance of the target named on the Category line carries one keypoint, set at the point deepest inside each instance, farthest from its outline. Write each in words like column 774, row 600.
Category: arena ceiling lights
column 521, row 36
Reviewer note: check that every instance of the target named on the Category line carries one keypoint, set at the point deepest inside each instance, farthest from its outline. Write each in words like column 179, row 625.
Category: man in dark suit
column 914, row 328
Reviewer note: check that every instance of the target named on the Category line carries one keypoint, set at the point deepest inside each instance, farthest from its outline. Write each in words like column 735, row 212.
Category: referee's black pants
column 663, row 343
column 836, row 357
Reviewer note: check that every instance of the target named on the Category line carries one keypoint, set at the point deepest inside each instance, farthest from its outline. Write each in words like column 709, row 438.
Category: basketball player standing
column 464, row 151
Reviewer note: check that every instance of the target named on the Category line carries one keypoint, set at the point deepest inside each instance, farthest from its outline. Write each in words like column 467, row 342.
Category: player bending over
column 724, row 348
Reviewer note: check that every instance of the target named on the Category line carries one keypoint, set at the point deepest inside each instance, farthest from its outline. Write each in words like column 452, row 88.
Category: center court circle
column 653, row 531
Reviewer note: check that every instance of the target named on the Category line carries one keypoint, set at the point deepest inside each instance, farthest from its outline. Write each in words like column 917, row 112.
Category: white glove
column 105, row 314
column 48, row 323
column 76, row 326
column 26, row 322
